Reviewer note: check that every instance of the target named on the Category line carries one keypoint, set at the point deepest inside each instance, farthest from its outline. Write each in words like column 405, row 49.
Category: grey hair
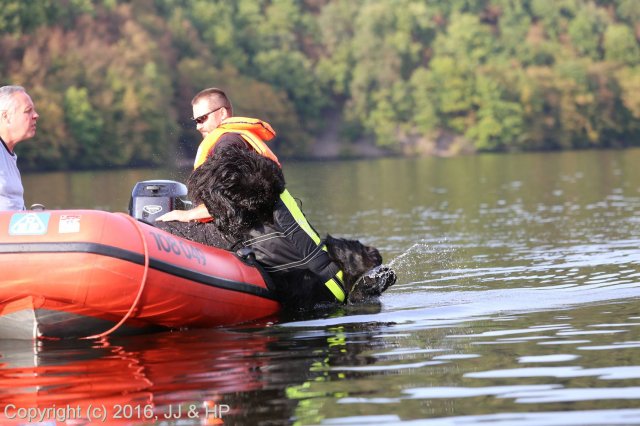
column 7, row 100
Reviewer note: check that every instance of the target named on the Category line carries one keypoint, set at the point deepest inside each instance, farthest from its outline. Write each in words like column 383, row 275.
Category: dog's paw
column 371, row 284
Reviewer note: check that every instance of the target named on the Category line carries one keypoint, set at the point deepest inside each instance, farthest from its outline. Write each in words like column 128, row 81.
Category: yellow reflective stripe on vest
column 333, row 285
column 295, row 211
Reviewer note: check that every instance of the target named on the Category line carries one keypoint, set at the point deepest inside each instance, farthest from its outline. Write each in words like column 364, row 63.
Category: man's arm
column 198, row 212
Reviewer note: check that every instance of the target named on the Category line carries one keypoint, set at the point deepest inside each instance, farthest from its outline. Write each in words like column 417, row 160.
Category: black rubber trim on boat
column 137, row 258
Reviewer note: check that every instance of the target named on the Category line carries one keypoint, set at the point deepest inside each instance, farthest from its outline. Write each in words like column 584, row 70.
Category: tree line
column 112, row 79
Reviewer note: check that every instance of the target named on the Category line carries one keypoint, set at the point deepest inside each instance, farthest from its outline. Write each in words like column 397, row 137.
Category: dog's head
column 365, row 278
column 371, row 284
column 353, row 257
column 239, row 187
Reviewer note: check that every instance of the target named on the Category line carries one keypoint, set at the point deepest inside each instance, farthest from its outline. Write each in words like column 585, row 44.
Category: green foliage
column 554, row 14
column 334, row 68
column 292, row 72
column 85, row 125
column 500, row 121
column 628, row 10
column 387, row 45
column 467, row 40
column 18, row 17
column 425, row 110
column 621, row 46
column 629, row 81
column 513, row 25
column 113, row 79
column 586, row 31
column 452, row 89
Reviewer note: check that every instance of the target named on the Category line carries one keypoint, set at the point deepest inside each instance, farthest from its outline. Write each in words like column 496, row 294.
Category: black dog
column 242, row 190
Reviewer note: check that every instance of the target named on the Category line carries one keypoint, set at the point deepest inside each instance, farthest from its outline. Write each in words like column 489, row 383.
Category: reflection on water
column 517, row 304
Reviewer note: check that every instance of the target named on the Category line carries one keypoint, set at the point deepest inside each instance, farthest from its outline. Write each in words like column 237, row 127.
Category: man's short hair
column 7, row 100
column 215, row 97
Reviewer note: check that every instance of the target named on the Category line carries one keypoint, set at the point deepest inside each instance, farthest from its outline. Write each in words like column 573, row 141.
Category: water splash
column 401, row 257
column 409, row 265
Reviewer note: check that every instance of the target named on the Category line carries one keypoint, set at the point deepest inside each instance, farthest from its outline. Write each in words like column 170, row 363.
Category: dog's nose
column 372, row 284
column 385, row 275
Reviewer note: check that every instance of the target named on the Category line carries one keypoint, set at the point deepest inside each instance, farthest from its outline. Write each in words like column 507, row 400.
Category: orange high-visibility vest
column 255, row 132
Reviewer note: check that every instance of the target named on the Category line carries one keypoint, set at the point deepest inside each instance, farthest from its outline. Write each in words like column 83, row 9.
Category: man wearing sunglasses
column 213, row 115
column 18, row 119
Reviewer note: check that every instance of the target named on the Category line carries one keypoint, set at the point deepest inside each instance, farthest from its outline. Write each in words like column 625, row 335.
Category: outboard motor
column 153, row 198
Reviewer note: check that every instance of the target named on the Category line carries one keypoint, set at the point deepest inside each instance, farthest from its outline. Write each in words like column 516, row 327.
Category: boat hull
column 80, row 273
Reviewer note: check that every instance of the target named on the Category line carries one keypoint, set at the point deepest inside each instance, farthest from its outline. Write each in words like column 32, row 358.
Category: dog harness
column 255, row 132
column 291, row 247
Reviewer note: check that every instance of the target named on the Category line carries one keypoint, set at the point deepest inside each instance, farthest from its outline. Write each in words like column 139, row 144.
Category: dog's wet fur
column 241, row 188
column 364, row 275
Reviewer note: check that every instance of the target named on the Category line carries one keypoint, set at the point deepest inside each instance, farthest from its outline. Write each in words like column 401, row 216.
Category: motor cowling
column 151, row 199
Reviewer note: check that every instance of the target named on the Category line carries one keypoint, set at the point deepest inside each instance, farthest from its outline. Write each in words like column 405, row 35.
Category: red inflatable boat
column 88, row 273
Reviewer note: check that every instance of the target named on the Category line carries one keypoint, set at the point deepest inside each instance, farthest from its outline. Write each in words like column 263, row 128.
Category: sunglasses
column 204, row 117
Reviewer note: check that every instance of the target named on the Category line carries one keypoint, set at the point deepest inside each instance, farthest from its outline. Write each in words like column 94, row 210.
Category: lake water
column 517, row 303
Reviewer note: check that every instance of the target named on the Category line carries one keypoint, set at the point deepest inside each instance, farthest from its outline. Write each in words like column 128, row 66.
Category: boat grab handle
column 143, row 282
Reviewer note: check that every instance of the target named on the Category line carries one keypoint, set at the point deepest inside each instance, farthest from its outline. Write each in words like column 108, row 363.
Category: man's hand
column 199, row 212
column 178, row 215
